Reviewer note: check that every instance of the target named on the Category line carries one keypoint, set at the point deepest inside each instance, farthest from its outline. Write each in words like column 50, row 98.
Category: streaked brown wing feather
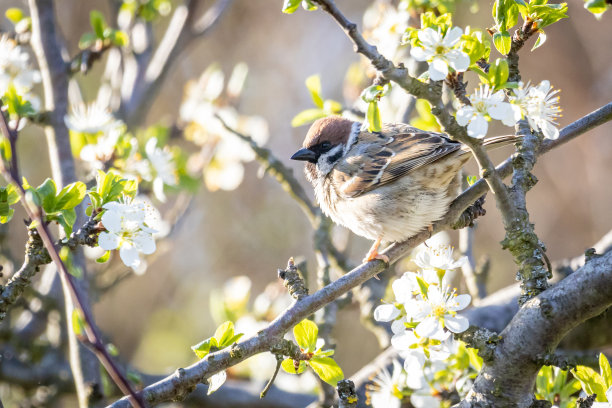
column 396, row 156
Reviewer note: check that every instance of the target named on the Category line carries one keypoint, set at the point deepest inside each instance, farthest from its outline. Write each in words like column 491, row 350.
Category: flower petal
column 129, row 255
column 403, row 341
column 452, row 37
column 429, row 37
column 478, row 127
column 108, row 241
column 216, row 381
column 144, row 242
column 549, row 130
column 464, row 116
column 456, row 324
column 420, row 54
column 385, row 313
column 430, row 327
column 459, row 302
column 111, row 220
column 438, row 69
column 459, row 60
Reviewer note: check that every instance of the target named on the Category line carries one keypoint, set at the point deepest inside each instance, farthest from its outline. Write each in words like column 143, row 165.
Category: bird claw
column 376, row 256
column 471, row 214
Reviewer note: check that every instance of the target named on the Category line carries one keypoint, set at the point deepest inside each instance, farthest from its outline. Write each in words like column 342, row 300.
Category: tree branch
column 535, row 330
column 180, row 33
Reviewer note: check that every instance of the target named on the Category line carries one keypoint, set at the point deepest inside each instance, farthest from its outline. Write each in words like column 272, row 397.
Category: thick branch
column 537, row 328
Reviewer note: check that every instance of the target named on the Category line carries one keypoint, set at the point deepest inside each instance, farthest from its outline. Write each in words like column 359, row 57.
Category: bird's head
column 326, row 142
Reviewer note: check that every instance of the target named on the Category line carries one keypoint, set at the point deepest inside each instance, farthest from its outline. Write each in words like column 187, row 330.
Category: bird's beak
column 305, row 155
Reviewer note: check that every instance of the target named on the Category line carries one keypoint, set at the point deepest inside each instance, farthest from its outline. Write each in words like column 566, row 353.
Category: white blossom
column 385, row 25
column 208, row 114
column 386, row 388
column 15, row 69
column 97, row 154
column 438, row 311
column 436, row 262
column 90, row 118
column 127, row 230
column 486, row 105
column 164, row 166
column 539, row 105
column 441, row 52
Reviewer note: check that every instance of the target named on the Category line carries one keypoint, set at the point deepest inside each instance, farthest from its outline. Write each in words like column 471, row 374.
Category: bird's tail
column 496, row 141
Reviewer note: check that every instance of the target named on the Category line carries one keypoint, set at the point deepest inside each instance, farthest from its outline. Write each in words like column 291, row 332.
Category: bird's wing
column 380, row 158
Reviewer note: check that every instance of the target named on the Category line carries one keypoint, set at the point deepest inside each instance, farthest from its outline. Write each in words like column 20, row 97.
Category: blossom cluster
column 130, row 227
column 104, row 136
column 537, row 104
column 423, row 318
column 444, row 52
column 206, row 109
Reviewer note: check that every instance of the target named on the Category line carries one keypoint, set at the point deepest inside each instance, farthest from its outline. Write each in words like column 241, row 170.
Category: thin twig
column 279, row 361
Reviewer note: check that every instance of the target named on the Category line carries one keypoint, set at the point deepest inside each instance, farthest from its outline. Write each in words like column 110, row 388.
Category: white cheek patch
column 355, row 130
column 325, row 164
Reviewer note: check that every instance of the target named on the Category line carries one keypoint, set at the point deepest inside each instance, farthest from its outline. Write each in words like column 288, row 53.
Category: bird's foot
column 373, row 253
column 470, row 214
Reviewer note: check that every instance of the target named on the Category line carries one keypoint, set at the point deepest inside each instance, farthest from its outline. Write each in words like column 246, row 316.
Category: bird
column 386, row 186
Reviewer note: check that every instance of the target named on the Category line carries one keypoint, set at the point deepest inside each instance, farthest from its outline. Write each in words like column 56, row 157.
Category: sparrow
column 384, row 186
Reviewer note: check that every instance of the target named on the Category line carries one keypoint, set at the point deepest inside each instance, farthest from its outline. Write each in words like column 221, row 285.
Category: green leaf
column 327, row 369
column 475, row 359
column 87, row 40
column 541, row 40
column 16, row 105
column 119, row 38
column 46, row 192
column 499, row 14
column 591, row 381
column 332, row 107
column 512, row 13
column 606, row 372
column 423, row 286
column 66, row 220
column 308, row 5
column 307, row 116
column 224, row 333
column 597, row 7
column 498, row 73
column 8, row 197
column 290, row 6
column 289, row 366
column 14, row 14
column 471, row 180
column 374, row 92
column 313, row 83
column 502, row 42
column 203, row 348
column 97, row 23
column 7, row 216
column 71, row 196
column 373, row 118
column 305, row 333
column 104, row 258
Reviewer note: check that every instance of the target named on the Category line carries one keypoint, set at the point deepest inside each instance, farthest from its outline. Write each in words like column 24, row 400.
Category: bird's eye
column 325, row 146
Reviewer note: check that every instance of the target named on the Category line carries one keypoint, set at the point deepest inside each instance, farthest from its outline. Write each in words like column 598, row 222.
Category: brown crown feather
column 333, row 129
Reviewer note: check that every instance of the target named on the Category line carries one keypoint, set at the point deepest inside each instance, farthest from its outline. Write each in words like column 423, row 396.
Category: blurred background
column 154, row 318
